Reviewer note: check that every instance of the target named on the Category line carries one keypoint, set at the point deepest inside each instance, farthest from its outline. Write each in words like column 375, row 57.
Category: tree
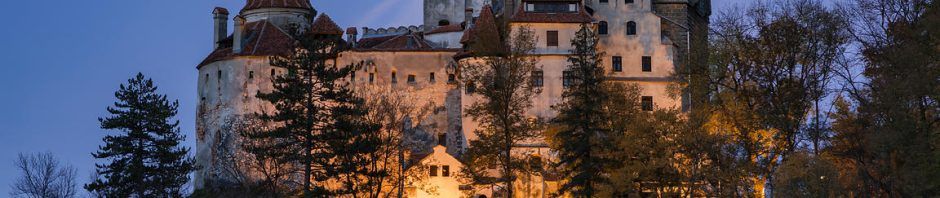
column 502, row 80
column 583, row 122
column 769, row 69
column 394, row 110
column 146, row 159
column 43, row 176
column 886, row 133
column 319, row 124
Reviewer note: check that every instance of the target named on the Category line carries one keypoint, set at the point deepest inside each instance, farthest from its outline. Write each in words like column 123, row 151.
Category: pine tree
column 320, row 127
column 146, row 159
column 581, row 138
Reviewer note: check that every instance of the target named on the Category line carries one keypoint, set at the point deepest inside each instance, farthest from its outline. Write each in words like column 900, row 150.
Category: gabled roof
column 258, row 4
column 325, row 25
column 261, row 39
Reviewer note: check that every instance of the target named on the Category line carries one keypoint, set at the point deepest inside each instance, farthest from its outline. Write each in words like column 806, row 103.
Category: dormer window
column 551, row 7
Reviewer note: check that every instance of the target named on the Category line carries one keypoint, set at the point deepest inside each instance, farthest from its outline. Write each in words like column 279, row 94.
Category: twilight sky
column 62, row 60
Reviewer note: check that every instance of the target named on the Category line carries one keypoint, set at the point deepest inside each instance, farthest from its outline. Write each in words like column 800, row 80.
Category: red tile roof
column 264, row 39
column 522, row 16
column 484, row 25
column 258, row 4
column 352, row 30
column 325, row 25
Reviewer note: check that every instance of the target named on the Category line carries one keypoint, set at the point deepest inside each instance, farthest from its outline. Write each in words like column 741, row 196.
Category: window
column 433, row 171
column 220, row 75
column 538, row 78
column 207, row 77
column 567, row 78
column 471, row 87
column 443, row 23
column 631, row 28
column 647, row 64
column 371, row 77
column 603, row 1
column 647, row 103
column 551, row 38
column 445, row 171
column 628, row 1
column 352, row 76
column 251, row 74
column 273, row 73
column 431, row 77
column 617, row 63
column 411, row 79
column 602, row 28
column 394, row 78
column 451, row 78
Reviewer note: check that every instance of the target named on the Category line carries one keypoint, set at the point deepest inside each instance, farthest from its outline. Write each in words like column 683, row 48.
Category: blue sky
column 62, row 60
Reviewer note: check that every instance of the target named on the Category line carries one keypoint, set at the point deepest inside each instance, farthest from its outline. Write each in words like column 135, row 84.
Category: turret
column 220, row 26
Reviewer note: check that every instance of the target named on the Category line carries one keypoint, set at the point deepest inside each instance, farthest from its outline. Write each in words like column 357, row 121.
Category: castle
column 645, row 41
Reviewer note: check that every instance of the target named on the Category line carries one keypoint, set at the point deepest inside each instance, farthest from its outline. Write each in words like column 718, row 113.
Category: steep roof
column 325, row 25
column 258, row 4
column 261, row 39
column 484, row 24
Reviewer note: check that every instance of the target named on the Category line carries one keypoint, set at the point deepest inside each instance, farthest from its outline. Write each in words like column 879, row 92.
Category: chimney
column 468, row 12
column 220, row 26
column 351, row 36
column 238, row 35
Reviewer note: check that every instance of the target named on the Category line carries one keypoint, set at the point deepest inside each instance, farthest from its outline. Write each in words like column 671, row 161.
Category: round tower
column 231, row 75
column 282, row 13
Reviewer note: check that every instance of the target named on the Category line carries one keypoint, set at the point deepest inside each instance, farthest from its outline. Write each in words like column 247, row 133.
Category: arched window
column 602, row 28
column 631, row 28
column 443, row 23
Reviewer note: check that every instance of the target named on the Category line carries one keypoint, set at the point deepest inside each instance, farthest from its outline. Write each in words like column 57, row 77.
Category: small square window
column 432, row 171
column 451, row 78
column 411, row 79
column 647, row 103
column 551, row 38
column 567, row 78
column 617, row 63
column 647, row 64
column 471, row 88
column 445, row 171
column 251, row 74
column 538, row 78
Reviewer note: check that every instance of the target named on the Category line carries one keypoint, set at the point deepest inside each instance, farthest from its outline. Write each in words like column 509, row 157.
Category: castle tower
column 286, row 14
column 439, row 13
column 231, row 75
